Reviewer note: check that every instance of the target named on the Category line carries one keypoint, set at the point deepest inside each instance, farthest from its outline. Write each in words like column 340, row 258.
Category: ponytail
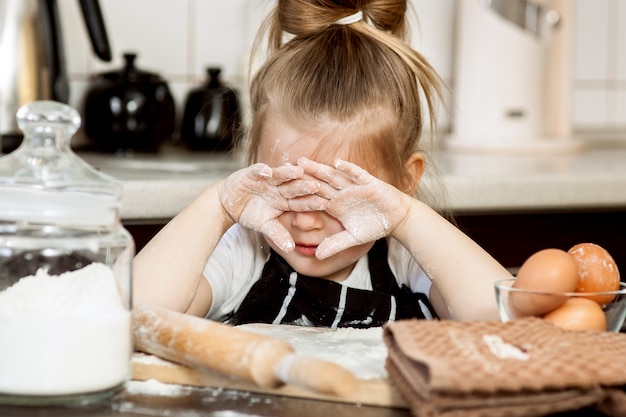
column 325, row 63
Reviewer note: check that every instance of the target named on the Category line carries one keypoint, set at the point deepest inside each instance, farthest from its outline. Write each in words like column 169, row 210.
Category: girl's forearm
column 167, row 271
column 462, row 271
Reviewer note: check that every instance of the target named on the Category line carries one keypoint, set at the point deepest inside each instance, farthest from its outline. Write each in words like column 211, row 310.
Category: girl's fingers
column 338, row 177
column 323, row 172
column 308, row 203
column 278, row 234
column 285, row 173
column 260, row 170
column 356, row 173
column 335, row 244
column 298, row 188
column 275, row 175
column 326, row 191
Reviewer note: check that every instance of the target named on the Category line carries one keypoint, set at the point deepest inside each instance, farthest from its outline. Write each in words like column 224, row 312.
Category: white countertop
column 159, row 186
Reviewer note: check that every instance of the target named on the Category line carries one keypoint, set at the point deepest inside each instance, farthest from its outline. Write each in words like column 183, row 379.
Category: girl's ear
column 413, row 168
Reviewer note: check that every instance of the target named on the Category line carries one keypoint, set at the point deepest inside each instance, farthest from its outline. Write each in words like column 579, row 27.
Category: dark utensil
column 129, row 109
column 212, row 116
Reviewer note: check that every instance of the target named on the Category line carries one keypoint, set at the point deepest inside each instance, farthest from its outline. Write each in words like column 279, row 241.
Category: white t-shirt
column 239, row 257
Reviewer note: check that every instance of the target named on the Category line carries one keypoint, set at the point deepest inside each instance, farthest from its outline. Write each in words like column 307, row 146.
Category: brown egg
column 578, row 313
column 597, row 271
column 549, row 270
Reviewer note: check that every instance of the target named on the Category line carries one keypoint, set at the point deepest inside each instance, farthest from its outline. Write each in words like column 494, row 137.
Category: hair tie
column 348, row 20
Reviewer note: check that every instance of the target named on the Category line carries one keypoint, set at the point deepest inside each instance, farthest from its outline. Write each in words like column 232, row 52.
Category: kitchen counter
column 159, row 186
column 511, row 205
column 151, row 398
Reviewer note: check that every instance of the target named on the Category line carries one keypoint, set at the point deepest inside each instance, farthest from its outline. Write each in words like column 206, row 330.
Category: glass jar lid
column 45, row 182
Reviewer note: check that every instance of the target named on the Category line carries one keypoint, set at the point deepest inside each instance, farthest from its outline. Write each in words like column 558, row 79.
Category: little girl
column 322, row 228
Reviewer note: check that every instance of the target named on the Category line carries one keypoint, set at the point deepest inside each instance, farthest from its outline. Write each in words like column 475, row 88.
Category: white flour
column 361, row 351
column 157, row 388
column 64, row 335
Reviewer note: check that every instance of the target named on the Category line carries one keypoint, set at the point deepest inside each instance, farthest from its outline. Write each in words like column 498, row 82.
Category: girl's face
column 281, row 144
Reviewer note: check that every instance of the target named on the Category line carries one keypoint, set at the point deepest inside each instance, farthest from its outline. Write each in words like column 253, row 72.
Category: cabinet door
column 513, row 237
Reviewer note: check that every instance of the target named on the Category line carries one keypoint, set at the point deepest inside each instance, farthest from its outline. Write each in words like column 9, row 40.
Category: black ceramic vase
column 212, row 116
column 129, row 109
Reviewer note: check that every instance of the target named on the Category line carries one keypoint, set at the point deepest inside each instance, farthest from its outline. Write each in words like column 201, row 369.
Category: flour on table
column 156, row 388
column 361, row 351
column 146, row 359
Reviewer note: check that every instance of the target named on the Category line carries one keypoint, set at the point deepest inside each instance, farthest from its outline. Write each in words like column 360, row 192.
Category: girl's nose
column 309, row 220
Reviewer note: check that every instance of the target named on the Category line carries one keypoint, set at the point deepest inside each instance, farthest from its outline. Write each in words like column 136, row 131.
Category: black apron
column 282, row 296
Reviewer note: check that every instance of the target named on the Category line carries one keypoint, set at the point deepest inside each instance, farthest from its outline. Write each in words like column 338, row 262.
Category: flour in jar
column 64, row 335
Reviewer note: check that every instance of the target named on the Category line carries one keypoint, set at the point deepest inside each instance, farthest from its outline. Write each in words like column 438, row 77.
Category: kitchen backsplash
column 179, row 39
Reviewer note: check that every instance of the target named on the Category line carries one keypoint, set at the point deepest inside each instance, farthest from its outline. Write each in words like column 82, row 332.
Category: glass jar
column 65, row 269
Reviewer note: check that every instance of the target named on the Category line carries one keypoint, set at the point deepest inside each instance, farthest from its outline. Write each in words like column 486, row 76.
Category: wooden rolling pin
column 266, row 361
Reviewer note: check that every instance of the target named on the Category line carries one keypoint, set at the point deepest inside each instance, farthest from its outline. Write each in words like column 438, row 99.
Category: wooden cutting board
column 357, row 350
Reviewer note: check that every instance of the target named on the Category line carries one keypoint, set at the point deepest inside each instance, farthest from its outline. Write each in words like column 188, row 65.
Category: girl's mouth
column 306, row 249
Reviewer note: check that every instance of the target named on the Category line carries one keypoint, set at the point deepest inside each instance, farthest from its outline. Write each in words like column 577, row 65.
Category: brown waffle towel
column 525, row 368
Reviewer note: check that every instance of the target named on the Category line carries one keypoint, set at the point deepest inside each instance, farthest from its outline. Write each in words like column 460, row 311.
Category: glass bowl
column 614, row 305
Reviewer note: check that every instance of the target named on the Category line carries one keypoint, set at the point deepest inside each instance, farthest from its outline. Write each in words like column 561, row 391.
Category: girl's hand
column 367, row 207
column 255, row 196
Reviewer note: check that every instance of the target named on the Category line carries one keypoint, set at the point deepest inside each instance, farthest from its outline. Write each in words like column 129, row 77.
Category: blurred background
column 179, row 39
column 537, row 94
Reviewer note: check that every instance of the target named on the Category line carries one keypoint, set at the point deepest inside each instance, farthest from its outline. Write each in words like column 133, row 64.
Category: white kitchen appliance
column 512, row 76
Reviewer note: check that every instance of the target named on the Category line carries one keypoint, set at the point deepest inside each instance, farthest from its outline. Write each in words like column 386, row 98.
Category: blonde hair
column 363, row 75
